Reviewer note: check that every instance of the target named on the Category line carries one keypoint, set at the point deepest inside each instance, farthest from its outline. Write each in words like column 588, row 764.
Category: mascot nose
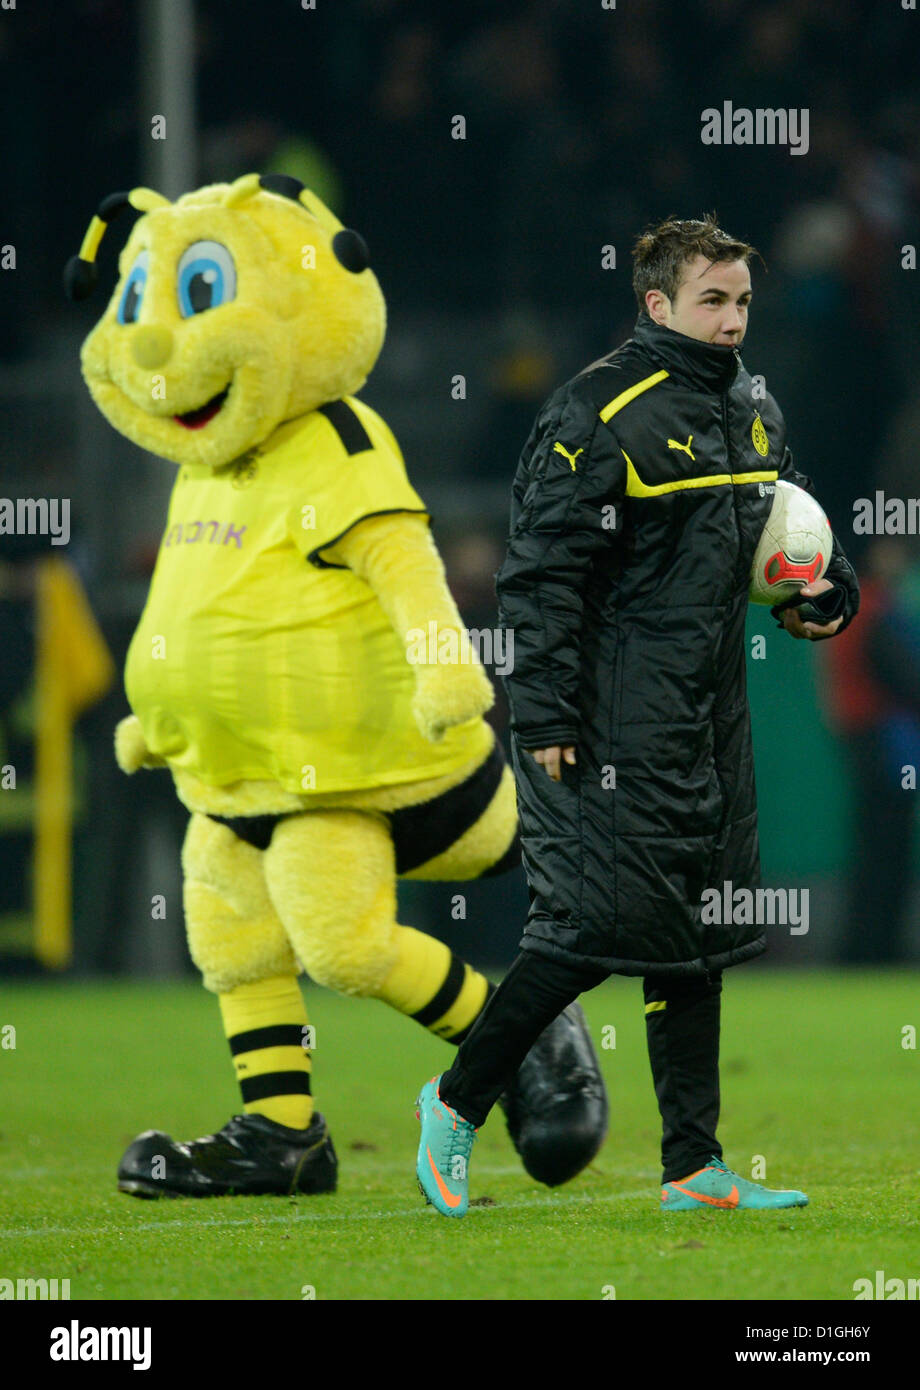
column 151, row 345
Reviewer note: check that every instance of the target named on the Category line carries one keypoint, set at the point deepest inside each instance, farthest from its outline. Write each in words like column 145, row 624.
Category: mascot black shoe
column 556, row 1107
column 250, row 1156
column 300, row 668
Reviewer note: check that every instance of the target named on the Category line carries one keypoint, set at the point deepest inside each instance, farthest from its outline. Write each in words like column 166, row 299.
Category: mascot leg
column 556, row 1108
column 331, row 877
column 278, row 1144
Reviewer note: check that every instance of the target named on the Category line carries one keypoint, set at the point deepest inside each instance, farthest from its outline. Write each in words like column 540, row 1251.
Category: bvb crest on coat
column 759, row 436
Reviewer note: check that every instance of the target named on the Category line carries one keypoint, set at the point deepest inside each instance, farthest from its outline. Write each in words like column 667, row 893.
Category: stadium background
column 583, row 125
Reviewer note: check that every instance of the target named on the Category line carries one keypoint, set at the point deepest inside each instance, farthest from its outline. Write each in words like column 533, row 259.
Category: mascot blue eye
column 206, row 278
column 130, row 304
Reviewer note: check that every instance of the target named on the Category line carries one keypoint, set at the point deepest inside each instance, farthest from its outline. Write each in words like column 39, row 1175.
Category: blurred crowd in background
column 582, row 127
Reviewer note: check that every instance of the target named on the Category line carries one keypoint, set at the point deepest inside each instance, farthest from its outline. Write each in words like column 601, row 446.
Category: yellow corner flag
column 73, row 669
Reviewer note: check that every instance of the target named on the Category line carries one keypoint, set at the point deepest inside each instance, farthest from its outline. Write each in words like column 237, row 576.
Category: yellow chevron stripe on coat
column 625, row 397
column 635, row 487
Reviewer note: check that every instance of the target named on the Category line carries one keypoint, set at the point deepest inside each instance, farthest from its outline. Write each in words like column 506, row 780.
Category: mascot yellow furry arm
column 302, row 670
column 397, row 557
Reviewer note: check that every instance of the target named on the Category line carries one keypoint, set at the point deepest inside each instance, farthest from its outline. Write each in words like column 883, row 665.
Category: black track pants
column 532, row 994
column 683, row 1042
column 682, row 1026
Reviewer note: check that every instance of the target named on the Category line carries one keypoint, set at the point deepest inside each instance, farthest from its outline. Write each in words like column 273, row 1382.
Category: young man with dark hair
column 637, row 506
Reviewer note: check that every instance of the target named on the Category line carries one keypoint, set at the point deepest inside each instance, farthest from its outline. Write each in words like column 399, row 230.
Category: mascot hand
column 131, row 752
column 446, row 695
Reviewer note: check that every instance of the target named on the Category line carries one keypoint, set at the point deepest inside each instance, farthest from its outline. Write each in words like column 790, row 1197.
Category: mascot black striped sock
column 266, row 1024
column 435, row 987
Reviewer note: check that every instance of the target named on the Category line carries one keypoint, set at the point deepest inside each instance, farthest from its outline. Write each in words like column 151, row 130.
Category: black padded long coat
column 637, row 505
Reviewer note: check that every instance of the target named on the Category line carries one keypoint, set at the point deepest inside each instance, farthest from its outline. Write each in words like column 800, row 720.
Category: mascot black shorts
column 419, row 832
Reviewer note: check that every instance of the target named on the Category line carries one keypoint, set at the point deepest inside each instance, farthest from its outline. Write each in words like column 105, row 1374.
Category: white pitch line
column 24, row 1233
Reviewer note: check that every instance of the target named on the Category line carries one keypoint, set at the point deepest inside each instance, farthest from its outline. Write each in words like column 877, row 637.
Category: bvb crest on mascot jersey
column 270, row 671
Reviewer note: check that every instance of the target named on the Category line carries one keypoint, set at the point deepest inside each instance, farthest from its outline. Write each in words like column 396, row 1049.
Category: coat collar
column 701, row 366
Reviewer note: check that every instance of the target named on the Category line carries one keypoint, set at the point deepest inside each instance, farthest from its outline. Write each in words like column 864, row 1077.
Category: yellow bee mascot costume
column 282, row 672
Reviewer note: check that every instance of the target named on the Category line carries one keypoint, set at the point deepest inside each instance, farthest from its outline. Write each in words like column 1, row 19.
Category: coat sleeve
column 566, row 510
column 840, row 572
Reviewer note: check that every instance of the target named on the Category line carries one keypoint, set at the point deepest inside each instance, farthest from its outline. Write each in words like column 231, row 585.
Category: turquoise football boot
column 717, row 1186
column 443, row 1161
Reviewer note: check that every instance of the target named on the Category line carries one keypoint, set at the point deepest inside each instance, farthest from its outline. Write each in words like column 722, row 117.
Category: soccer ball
column 795, row 548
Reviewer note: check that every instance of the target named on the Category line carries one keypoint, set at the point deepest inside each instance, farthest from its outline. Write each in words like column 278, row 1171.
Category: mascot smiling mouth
column 194, row 419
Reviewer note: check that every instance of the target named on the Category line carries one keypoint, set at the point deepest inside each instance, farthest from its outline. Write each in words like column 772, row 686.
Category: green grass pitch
column 815, row 1079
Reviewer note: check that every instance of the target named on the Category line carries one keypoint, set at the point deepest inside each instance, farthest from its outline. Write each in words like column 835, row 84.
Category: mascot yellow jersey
column 257, row 656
